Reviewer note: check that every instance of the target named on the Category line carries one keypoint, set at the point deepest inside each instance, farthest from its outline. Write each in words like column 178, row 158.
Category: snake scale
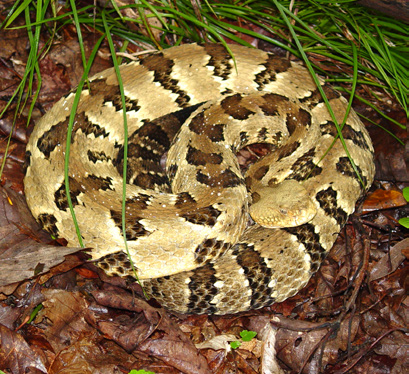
column 188, row 229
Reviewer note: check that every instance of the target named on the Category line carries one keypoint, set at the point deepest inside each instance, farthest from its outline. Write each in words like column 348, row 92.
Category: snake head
column 286, row 204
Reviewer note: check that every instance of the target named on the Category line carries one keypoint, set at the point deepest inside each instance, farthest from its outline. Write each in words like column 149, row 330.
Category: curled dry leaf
column 22, row 254
column 267, row 333
column 308, row 346
column 150, row 331
column 218, row 342
column 390, row 261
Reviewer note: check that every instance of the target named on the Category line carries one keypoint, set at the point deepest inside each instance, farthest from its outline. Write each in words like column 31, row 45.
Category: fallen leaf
column 383, row 199
column 21, row 255
column 390, row 261
column 16, row 356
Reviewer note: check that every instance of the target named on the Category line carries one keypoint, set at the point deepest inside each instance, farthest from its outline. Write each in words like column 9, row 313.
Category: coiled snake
column 187, row 229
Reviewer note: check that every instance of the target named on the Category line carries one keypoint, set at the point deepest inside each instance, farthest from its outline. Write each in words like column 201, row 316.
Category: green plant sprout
column 405, row 220
column 246, row 336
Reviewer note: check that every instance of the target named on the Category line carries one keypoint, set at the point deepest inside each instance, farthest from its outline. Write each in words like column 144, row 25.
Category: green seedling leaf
column 235, row 344
column 246, row 335
column 404, row 222
column 406, row 193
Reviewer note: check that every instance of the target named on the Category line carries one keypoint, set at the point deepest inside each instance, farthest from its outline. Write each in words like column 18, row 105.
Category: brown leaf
column 391, row 159
column 13, row 173
column 150, row 331
column 20, row 254
column 70, row 344
column 63, row 314
column 396, row 345
column 312, row 346
column 16, row 356
column 19, row 129
column 294, row 347
column 390, row 261
column 383, row 199
column 267, row 333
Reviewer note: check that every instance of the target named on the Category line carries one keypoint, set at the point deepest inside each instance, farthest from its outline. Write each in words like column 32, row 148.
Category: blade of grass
column 284, row 12
column 27, row 80
column 79, row 32
column 125, row 159
column 34, row 39
column 14, row 13
column 368, row 103
column 383, row 128
column 77, row 97
column 388, row 57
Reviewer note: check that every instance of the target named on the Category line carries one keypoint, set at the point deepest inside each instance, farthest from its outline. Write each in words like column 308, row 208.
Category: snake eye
column 283, row 211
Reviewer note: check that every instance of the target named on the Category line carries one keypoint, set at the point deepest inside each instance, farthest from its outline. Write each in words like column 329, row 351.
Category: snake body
column 188, row 229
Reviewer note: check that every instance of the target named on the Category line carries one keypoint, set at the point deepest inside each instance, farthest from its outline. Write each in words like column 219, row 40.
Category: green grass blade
column 79, row 32
column 14, row 13
column 125, row 122
column 284, row 12
column 78, row 92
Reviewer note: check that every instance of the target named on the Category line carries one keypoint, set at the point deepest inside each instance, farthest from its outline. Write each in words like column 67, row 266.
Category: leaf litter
column 351, row 317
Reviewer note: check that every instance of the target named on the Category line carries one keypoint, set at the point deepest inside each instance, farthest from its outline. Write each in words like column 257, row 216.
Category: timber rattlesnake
column 190, row 242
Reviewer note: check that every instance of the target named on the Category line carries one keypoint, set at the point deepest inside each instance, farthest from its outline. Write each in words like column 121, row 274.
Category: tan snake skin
column 188, row 229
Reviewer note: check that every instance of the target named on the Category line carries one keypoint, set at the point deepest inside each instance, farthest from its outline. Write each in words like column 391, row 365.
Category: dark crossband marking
column 150, row 181
column 185, row 201
column 261, row 172
column 134, row 229
column 316, row 98
column 162, row 69
column 287, row 150
column 329, row 203
column 130, row 105
column 348, row 132
column 304, row 167
column 272, row 67
column 220, row 60
column 115, row 264
column 344, row 167
column 86, row 126
column 257, row 273
column 202, row 216
column 301, row 118
column 225, row 179
column 95, row 156
column 48, row 141
column 60, row 196
column 141, row 152
column 198, row 125
column 112, row 94
column 306, row 235
column 232, row 106
column 99, row 183
column 209, row 249
column 202, row 290
column 273, row 103
column 197, row 157
column 139, row 202
column 48, row 222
